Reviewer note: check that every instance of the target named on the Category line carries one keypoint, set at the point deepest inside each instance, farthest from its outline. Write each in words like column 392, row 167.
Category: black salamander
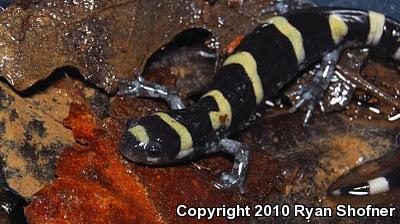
column 266, row 59
column 374, row 186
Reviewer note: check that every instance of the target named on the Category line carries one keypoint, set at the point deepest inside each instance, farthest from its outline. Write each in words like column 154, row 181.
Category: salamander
column 377, row 185
column 264, row 61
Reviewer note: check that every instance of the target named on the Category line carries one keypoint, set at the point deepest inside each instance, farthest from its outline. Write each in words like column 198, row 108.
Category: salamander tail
column 374, row 186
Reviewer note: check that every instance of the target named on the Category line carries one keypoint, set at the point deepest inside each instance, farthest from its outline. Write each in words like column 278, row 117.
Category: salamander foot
column 312, row 94
column 143, row 88
column 236, row 177
column 283, row 6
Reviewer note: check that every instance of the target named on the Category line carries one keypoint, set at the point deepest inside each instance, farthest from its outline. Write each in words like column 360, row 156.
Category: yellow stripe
column 247, row 61
column 376, row 25
column 140, row 133
column 223, row 117
column 184, row 135
column 339, row 28
column 292, row 34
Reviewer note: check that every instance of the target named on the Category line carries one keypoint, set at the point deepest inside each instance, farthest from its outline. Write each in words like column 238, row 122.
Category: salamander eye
column 153, row 149
column 131, row 123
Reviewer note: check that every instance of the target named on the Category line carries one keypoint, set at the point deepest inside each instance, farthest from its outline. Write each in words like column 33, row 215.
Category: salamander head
column 145, row 142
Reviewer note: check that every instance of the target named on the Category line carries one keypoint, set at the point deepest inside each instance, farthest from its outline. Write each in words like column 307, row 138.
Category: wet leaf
column 104, row 40
column 32, row 137
column 289, row 164
column 92, row 180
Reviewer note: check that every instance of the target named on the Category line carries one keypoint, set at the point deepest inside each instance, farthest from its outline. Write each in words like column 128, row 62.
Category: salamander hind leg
column 143, row 88
column 284, row 6
column 236, row 177
column 313, row 93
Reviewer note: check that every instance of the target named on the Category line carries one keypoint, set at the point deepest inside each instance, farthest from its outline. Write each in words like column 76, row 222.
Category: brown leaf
column 105, row 40
column 92, row 184
column 32, row 137
column 289, row 164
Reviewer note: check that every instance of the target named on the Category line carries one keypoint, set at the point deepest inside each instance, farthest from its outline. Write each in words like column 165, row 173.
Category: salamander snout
column 132, row 149
column 138, row 147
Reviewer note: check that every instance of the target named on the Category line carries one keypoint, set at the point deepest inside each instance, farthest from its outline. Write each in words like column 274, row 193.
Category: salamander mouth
column 131, row 150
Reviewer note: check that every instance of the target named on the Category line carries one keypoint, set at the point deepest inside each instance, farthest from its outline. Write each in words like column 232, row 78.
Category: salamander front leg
column 143, row 88
column 238, row 173
column 312, row 94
